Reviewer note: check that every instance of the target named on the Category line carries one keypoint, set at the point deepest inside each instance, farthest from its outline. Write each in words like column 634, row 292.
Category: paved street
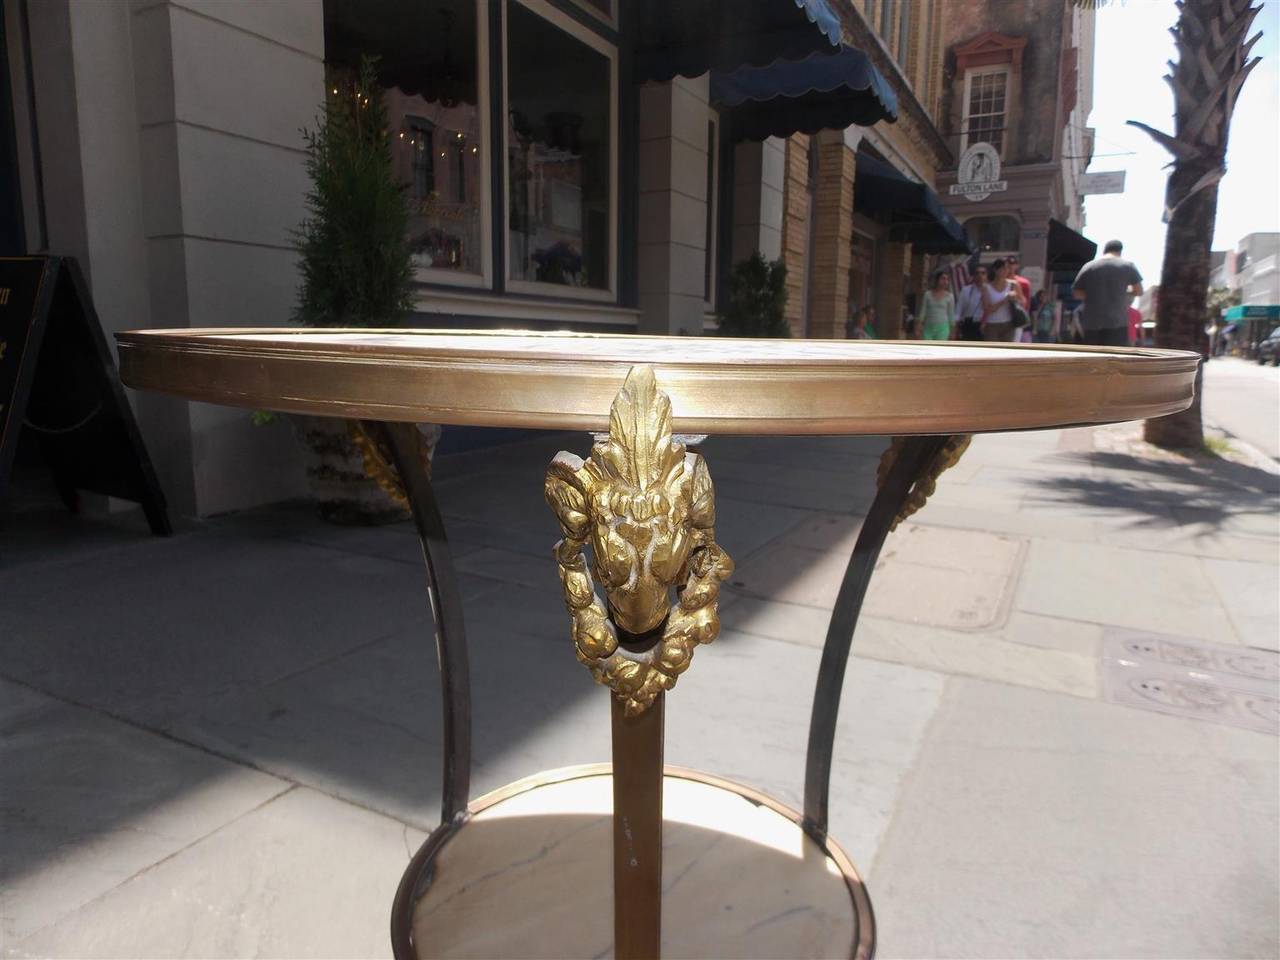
column 1243, row 399
column 1057, row 738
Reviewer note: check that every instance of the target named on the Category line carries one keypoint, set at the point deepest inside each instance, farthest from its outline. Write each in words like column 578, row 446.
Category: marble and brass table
column 571, row 862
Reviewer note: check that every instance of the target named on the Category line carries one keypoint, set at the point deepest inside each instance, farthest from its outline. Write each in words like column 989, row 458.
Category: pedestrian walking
column 1135, row 324
column 936, row 319
column 999, row 296
column 1044, row 318
column 969, row 307
column 1106, row 286
column 1016, row 276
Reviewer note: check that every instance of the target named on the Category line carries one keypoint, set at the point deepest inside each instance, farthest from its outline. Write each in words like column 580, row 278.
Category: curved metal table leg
column 915, row 458
column 446, row 608
column 403, row 444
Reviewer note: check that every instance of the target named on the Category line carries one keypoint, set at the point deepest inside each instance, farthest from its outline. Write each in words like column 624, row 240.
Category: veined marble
column 532, row 876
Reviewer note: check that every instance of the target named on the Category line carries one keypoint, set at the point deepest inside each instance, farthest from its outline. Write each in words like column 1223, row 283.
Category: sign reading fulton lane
column 58, row 385
column 978, row 175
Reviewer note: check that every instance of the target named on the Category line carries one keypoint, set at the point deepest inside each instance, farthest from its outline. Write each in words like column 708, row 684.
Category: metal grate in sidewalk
column 1217, row 682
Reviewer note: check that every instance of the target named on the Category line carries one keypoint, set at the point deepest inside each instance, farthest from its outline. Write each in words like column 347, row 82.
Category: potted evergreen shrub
column 356, row 272
column 757, row 299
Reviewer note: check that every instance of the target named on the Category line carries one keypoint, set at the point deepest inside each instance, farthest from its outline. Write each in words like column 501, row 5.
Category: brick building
column 799, row 198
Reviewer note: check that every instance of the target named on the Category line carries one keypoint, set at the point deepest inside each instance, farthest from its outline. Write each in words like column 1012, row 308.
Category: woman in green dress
column 937, row 318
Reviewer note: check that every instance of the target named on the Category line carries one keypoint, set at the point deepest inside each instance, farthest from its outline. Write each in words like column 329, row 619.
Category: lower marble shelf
column 529, row 874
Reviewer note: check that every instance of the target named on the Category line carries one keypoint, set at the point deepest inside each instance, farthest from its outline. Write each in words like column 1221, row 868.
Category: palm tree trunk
column 1213, row 63
column 1184, row 285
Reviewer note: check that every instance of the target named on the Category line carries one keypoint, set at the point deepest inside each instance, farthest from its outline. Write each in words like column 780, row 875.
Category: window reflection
column 558, row 155
column 427, row 64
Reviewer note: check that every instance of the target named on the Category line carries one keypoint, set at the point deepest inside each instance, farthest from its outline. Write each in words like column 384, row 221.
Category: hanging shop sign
column 1106, row 181
column 979, row 173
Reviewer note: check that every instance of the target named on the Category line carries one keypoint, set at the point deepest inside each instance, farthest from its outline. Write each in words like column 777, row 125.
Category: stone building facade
column 1025, row 85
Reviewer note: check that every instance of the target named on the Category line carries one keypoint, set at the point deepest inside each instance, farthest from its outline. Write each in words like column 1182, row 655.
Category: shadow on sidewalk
column 1201, row 490
column 272, row 639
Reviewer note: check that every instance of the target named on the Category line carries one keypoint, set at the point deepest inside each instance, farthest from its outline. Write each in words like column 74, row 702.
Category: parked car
column 1269, row 349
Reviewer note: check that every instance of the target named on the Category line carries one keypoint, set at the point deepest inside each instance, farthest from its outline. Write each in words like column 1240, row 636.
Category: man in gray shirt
column 1107, row 286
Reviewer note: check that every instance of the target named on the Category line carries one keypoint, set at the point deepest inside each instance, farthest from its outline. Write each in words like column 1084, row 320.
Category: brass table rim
column 567, row 381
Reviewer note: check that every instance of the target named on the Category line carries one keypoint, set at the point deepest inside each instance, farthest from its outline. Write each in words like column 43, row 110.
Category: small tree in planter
column 757, row 299
column 356, row 272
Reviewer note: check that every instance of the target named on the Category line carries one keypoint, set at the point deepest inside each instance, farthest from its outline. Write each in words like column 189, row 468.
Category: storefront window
column 560, row 152
column 428, row 57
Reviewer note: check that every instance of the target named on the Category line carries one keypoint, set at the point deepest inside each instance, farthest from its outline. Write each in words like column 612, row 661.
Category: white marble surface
column 532, row 877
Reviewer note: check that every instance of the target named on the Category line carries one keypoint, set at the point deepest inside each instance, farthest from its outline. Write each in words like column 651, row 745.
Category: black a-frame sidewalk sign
column 57, row 379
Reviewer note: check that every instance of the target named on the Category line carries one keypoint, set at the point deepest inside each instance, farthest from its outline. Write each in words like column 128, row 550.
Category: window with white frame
column 561, row 145
column 985, row 107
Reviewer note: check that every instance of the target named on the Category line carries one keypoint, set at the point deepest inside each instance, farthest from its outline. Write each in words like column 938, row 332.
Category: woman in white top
column 997, row 295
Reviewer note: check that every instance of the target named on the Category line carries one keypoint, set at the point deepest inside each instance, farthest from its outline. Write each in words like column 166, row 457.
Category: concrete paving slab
column 1194, row 539
column 973, row 497
column 1037, row 825
column 504, row 566
column 1250, row 592
column 1139, row 589
column 757, row 734
column 16, row 699
column 855, row 498
column 948, row 578
column 1053, row 633
column 88, row 802
column 999, row 516
column 166, row 623
column 366, row 727
column 302, row 876
column 1260, row 520
column 467, row 535
column 744, row 527
column 778, row 620
column 1071, row 669
column 1027, row 480
column 51, row 534
column 979, row 655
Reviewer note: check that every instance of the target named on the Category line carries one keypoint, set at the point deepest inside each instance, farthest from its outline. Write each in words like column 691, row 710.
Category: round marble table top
column 716, row 385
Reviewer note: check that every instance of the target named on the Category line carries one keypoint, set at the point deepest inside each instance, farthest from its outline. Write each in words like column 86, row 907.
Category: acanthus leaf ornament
column 646, row 506
column 925, row 485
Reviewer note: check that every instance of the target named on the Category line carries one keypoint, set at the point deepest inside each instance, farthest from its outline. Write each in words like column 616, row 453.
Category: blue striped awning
column 690, row 37
column 817, row 92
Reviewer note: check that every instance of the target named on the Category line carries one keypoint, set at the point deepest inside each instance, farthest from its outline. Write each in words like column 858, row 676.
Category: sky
column 1132, row 46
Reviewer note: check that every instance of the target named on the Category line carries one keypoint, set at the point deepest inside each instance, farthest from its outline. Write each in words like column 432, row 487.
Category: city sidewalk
column 1057, row 737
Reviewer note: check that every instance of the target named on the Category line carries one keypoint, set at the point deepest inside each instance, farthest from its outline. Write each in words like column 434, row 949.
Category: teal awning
column 1253, row 311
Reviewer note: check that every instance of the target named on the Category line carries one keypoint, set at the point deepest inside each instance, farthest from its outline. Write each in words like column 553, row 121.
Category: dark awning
column 1068, row 250
column 915, row 213
column 690, row 37
column 818, row 92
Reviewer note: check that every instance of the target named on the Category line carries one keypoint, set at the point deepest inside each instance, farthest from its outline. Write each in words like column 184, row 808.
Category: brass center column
column 647, row 508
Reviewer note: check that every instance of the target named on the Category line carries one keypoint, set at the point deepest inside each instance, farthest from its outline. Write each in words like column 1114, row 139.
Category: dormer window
column 986, row 100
